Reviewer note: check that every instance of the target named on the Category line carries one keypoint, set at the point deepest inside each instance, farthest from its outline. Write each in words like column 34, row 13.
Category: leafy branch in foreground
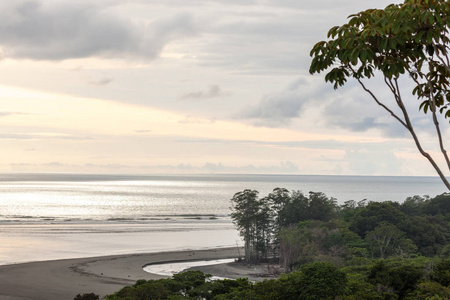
column 403, row 41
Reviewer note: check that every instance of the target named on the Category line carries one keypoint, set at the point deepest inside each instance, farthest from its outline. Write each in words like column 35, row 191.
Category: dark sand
column 64, row 279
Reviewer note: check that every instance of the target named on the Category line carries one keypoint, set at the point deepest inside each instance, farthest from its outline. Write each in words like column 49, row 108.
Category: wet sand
column 64, row 279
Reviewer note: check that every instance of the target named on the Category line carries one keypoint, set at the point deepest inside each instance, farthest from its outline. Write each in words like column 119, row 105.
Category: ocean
column 55, row 216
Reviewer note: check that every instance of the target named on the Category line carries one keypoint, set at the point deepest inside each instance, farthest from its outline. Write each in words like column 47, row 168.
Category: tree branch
column 418, row 144
column 436, row 125
column 406, row 123
column 381, row 104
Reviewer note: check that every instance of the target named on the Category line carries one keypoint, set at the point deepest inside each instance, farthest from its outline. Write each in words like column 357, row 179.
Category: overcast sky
column 188, row 86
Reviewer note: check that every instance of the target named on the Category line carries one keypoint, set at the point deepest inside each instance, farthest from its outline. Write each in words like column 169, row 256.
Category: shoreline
column 103, row 275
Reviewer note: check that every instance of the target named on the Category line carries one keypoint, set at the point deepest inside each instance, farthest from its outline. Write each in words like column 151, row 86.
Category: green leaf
column 392, row 43
column 332, row 32
column 429, row 37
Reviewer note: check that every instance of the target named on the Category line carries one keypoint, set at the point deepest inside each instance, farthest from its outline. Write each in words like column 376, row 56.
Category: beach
column 64, row 279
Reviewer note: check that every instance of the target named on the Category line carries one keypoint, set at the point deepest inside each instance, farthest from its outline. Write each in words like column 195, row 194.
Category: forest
column 357, row 250
column 299, row 228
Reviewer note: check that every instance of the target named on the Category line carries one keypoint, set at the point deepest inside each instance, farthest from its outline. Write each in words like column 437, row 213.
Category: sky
column 189, row 86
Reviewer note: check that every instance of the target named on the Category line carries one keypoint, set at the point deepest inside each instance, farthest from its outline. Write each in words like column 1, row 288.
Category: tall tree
column 245, row 207
column 290, row 244
column 407, row 41
column 264, row 229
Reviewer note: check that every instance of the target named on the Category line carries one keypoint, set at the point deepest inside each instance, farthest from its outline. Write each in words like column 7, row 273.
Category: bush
column 315, row 281
column 90, row 296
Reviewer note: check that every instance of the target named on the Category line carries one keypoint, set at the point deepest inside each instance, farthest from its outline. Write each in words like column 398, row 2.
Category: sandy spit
column 64, row 279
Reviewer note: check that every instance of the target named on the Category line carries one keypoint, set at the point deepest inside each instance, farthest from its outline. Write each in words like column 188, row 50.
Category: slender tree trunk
column 407, row 124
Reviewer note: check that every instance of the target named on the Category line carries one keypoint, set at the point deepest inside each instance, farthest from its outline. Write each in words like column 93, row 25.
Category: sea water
column 54, row 216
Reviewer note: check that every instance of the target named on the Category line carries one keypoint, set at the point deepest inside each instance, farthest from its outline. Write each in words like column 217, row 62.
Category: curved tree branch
column 406, row 123
column 436, row 125
column 417, row 142
column 381, row 104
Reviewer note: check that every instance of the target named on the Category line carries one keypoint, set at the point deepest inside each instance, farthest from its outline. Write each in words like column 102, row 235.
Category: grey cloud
column 16, row 136
column 296, row 84
column 310, row 144
column 40, row 136
column 274, row 110
column 193, row 120
column 359, row 114
column 278, row 109
column 324, row 5
column 213, row 91
column 262, row 40
column 373, row 162
column 334, row 144
column 8, row 113
column 359, row 123
column 21, row 164
column 108, row 166
column 143, row 131
column 101, row 82
column 285, row 167
column 272, row 36
column 54, row 164
column 197, row 4
column 57, row 31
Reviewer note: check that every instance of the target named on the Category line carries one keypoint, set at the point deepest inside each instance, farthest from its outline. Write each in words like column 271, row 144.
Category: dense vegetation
column 357, row 250
column 297, row 228
column 408, row 279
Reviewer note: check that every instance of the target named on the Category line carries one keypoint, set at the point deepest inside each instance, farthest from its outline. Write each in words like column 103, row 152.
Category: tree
column 264, row 229
column 439, row 205
column 254, row 220
column 279, row 199
column 383, row 239
column 427, row 232
column 245, row 209
column 321, row 207
column 290, row 244
column 296, row 210
column 399, row 279
column 441, row 273
column 317, row 280
column 407, row 41
column 367, row 218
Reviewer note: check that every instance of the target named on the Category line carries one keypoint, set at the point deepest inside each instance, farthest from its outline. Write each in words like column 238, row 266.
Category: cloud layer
column 65, row 30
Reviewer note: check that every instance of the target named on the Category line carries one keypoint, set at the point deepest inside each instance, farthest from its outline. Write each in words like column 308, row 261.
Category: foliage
column 384, row 279
column 438, row 205
column 89, row 296
column 260, row 221
column 428, row 233
column 384, row 240
column 429, row 290
column 367, row 218
column 441, row 274
column 290, row 244
column 327, row 257
column 316, row 281
column 246, row 216
column 398, row 280
column 288, row 225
